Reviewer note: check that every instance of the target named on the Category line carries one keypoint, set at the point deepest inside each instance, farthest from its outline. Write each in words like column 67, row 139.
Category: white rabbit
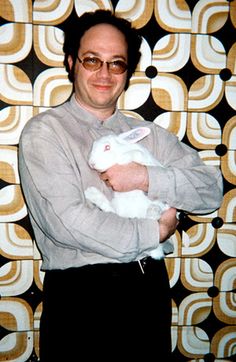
column 122, row 149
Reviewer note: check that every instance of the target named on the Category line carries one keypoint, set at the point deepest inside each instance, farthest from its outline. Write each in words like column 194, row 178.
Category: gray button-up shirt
column 69, row 231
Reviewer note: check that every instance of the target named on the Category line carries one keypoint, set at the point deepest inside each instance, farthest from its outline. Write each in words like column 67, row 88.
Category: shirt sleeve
column 185, row 182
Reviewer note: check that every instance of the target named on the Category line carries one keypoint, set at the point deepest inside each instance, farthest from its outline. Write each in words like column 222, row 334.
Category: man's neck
column 101, row 114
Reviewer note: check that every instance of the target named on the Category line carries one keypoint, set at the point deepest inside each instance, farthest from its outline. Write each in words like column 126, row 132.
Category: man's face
column 99, row 90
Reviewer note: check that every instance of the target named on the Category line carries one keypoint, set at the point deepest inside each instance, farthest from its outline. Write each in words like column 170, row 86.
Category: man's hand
column 132, row 176
column 167, row 224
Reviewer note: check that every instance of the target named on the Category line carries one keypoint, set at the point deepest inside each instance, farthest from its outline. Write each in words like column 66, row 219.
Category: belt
column 114, row 269
column 143, row 265
column 148, row 262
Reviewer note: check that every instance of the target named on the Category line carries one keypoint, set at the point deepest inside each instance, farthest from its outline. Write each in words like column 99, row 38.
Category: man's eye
column 116, row 63
column 119, row 65
column 91, row 60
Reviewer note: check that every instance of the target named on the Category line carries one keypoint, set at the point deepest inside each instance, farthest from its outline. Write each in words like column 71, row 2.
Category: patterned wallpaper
column 185, row 82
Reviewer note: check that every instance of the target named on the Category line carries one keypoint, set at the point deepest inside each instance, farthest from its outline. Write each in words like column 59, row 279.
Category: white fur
column 122, row 149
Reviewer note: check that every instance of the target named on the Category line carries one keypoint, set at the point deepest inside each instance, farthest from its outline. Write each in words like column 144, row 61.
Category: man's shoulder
column 44, row 117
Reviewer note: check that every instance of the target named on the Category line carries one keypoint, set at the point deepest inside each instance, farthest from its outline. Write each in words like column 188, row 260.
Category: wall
column 186, row 82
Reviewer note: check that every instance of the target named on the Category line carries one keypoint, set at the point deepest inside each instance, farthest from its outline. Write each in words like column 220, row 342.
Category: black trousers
column 111, row 312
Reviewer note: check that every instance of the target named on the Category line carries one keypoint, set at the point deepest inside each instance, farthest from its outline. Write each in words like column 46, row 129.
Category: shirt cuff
column 158, row 183
column 148, row 236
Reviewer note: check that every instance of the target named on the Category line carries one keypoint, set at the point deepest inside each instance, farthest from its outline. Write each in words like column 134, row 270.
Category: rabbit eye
column 107, row 148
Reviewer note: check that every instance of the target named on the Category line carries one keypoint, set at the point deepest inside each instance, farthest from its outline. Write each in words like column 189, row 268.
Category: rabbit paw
column 157, row 253
column 155, row 209
column 154, row 212
column 98, row 198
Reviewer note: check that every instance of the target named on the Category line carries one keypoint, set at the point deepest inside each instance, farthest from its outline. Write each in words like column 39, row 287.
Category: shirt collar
column 90, row 119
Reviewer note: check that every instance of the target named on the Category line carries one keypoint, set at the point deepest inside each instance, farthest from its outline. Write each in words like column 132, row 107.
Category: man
column 103, row 297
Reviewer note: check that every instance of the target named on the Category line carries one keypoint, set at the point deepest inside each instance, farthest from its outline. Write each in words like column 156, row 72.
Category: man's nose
column 104, row 70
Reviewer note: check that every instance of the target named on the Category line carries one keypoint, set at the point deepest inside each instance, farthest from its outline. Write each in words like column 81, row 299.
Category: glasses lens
column 117, row 66
column 92, row 63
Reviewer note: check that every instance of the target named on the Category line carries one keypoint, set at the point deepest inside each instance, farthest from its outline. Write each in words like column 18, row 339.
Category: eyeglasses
column 93, row 63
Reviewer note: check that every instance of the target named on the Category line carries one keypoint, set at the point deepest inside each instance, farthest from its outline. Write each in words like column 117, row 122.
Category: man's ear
column 70, row 61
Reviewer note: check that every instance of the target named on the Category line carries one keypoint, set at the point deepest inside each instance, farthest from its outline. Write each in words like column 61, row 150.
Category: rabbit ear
column 135, row 135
